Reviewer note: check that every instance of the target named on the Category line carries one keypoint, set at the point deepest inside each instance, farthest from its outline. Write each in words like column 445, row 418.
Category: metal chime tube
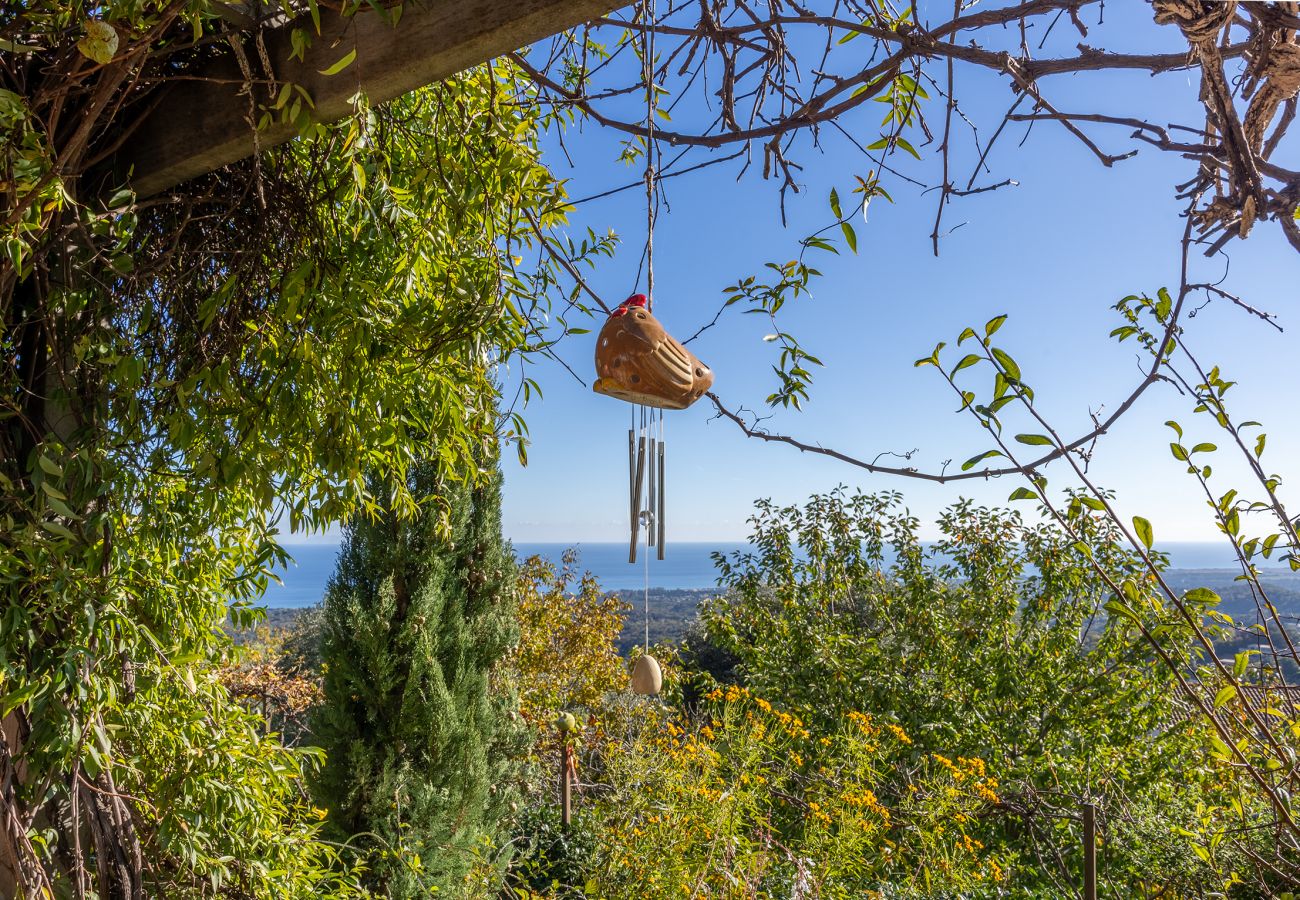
column 631, row 477
column 637, row 481
column 650, row 505
column 659, row 515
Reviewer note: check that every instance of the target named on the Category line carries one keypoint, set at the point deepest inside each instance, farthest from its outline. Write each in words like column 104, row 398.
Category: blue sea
column 686, row 565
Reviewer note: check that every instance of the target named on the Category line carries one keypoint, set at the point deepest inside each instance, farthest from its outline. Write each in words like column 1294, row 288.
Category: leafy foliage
column 566, row 656
column 993, row 644
column 221, row 800
column 235, row 357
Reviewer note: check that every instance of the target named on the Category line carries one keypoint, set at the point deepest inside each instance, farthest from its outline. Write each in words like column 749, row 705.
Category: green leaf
column 11, row 701
column 1144, row 532
column 835, row 204
column 850, row 236
column 342, row 64
column 993, row 324
column 1000, row 386
column 100, row 41
column 61, row 508
column 967, row 361
column 1221, row 751
column 1008, row 364
column 1036, row 440
column 11, row 47
column 971, row 463
column 1117, row 607
column 1225, row 694
column 933, row 358
column 1022, row 493
column 1164, row 304
column 60, row 529
column 902, row 142
column 1201, row 597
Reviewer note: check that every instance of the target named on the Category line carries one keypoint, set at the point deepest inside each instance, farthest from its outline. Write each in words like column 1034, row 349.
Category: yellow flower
column 899, row 734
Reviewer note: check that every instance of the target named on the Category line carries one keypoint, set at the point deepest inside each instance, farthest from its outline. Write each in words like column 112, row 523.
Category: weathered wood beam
column 201, row 125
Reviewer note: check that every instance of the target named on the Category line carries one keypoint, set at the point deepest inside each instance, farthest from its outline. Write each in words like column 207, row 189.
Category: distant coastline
column 686, row 566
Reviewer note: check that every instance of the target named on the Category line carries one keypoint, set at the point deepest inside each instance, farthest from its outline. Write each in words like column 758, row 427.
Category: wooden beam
column 199, row 126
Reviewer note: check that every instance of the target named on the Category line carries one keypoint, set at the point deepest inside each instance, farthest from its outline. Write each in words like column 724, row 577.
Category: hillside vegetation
column 841, row 726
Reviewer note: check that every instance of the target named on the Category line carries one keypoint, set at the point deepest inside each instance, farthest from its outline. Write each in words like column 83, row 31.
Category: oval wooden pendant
column 647, row 678
column 638, row 361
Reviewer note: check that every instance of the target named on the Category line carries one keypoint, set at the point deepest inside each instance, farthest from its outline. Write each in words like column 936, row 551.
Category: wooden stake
column 566, row 783
column 1089, row 851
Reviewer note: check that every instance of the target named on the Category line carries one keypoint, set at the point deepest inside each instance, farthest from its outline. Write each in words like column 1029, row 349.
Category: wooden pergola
column 202, row 123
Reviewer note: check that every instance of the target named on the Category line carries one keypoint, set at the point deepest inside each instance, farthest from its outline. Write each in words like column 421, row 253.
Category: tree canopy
column 185, row 377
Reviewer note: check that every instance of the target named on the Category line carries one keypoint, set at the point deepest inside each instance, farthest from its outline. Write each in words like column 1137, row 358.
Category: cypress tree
column 416, row 616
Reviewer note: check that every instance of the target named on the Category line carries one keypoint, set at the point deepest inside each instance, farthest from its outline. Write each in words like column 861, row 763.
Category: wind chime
column 639, row 362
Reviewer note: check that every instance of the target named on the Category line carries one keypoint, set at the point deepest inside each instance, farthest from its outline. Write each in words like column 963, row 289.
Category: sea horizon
column 688, row 565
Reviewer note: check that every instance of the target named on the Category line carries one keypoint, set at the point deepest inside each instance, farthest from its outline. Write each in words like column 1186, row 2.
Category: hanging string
column 647, row 428
column 648, row 424
column 648, row 16
column 645, row 648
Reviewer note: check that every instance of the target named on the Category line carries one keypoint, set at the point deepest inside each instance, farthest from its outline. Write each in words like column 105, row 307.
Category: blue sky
column 1053, row 253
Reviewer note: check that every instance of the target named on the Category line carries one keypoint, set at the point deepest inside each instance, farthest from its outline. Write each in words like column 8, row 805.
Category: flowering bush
column 748, row 801
column 996, row 642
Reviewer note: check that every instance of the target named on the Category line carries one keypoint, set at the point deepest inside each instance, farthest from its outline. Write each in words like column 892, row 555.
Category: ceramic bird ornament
column 638, row 361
